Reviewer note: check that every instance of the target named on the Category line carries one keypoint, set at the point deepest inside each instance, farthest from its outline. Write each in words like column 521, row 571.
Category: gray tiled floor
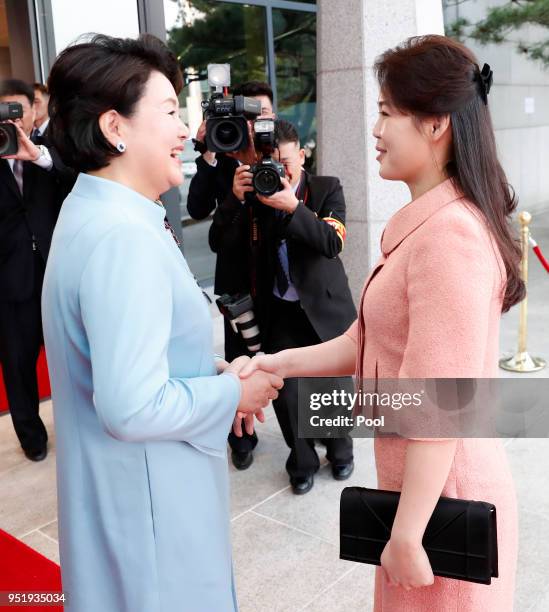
column 285, row 547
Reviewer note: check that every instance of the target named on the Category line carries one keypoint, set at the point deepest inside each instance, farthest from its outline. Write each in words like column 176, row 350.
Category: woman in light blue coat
column 141, row 410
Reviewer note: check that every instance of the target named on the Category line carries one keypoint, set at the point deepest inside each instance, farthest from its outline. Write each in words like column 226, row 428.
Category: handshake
column 260, row 380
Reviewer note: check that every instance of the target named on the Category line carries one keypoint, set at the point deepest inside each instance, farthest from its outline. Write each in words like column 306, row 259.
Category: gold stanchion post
column 522, row 361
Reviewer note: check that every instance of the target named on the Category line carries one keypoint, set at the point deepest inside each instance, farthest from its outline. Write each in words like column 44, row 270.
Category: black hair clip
column 485, row 77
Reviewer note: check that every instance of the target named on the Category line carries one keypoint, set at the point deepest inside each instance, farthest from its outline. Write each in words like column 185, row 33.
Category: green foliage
column 500, row 22
column 224, row 35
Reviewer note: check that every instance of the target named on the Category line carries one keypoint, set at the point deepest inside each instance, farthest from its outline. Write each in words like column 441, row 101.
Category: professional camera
column 227, row 116
column 238, row 310
column 9, row 144
column 268, row 172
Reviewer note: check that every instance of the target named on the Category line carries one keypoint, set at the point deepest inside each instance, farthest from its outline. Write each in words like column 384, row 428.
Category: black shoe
column 302, row 484
column 342, row 472
column 37, row 454
column 242, row 460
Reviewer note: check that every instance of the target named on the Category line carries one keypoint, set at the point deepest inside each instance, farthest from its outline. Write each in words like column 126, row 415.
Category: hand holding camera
column 285, row 199
column 14, row 143
column 27, row 150
column 242, row 182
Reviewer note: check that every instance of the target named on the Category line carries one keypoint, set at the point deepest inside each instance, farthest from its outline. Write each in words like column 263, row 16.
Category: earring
column 121, row 147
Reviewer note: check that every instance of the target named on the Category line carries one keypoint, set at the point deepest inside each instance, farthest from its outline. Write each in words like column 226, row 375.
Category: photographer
column 209, row 186
column 31, row 193
column 301, row 294
column 215, row 171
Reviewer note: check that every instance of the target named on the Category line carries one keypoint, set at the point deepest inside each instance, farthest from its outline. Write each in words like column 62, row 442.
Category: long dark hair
column 433, row 76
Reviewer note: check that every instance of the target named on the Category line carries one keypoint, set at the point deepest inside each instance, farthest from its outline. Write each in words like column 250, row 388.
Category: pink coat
column 431, row 308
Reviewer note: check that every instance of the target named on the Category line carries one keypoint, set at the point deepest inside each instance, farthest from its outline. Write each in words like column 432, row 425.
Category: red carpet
column 43, row 381
column 24, row 569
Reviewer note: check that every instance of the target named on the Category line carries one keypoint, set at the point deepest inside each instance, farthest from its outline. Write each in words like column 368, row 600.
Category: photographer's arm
column 202, row 190
column 230, row 221
column 324, row 233
column 28, row 151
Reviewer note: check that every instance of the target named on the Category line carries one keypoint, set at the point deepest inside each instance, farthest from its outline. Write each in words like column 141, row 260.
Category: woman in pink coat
column 431, row 308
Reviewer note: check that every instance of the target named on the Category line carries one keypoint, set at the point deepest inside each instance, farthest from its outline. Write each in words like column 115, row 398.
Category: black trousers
column 290, row 328
column 235, row 347
column 20, row 342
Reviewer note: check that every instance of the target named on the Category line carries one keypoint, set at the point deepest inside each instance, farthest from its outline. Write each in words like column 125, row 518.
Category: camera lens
column 266, row 181
column 4, row 140
column 227, row 135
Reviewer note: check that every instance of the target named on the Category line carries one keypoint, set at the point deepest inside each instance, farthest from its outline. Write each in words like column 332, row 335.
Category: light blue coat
column 141, row 418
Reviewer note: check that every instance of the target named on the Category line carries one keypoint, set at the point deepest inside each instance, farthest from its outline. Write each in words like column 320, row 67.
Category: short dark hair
column 286, row 132
column 41, row 88
column 91, row 78
column 254, row 88
column 16, row 87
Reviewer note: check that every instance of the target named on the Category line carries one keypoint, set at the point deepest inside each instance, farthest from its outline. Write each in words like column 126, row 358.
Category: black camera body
column 227, row 122
column 9, row 143
column 268, row 172
column 266, row 176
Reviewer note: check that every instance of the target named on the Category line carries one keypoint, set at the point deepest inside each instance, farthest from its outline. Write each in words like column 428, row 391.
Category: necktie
column 168, row 226
column 18, row 173
column 282, row 282
column 37, row 137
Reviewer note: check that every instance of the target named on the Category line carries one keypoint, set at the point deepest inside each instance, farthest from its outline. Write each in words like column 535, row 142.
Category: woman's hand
column 275, row 364
column 406, row 564
column 248, row 420
column 221, row 365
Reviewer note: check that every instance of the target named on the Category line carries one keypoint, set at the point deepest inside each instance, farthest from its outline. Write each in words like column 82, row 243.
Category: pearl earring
column 121, row 147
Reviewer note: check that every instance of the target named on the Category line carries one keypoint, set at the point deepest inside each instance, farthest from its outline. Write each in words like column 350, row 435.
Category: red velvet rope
column 539, row 254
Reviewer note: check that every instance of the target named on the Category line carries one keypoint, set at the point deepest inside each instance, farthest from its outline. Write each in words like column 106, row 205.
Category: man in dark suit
column 300, row 289
column 209, row 186
column 30, row 198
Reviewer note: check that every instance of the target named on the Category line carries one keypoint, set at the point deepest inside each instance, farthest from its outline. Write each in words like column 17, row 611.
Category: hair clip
column 485, row 77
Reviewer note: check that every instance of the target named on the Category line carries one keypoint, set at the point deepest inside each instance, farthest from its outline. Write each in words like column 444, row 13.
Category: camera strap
column 302, row 192
column 254, row 246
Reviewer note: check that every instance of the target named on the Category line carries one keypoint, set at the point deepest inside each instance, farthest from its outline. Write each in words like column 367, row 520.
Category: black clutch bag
column 460, row 538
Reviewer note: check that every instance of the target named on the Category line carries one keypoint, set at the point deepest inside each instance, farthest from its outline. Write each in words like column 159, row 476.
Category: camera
column 227, row 121
column 227, row 116
column 239, row 311
column 9, row 143
column 268, row 172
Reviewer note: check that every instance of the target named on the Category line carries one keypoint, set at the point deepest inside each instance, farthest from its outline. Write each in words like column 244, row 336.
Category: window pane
column 202, row 32
column 295, row 56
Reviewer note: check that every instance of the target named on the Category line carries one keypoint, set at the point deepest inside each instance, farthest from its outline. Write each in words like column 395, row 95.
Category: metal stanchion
column 522, row 361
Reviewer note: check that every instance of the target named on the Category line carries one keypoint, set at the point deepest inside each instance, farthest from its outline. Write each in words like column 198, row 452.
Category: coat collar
column 410, row 217
column 110, row 193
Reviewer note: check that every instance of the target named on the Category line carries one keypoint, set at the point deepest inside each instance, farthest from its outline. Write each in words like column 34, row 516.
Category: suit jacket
column 209, row 187
column 313, row 246
column 140, row 414
column 431, row 307
column 21, row 217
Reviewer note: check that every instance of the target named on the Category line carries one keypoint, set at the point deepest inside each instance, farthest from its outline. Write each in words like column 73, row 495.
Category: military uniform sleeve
column 324, row 232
